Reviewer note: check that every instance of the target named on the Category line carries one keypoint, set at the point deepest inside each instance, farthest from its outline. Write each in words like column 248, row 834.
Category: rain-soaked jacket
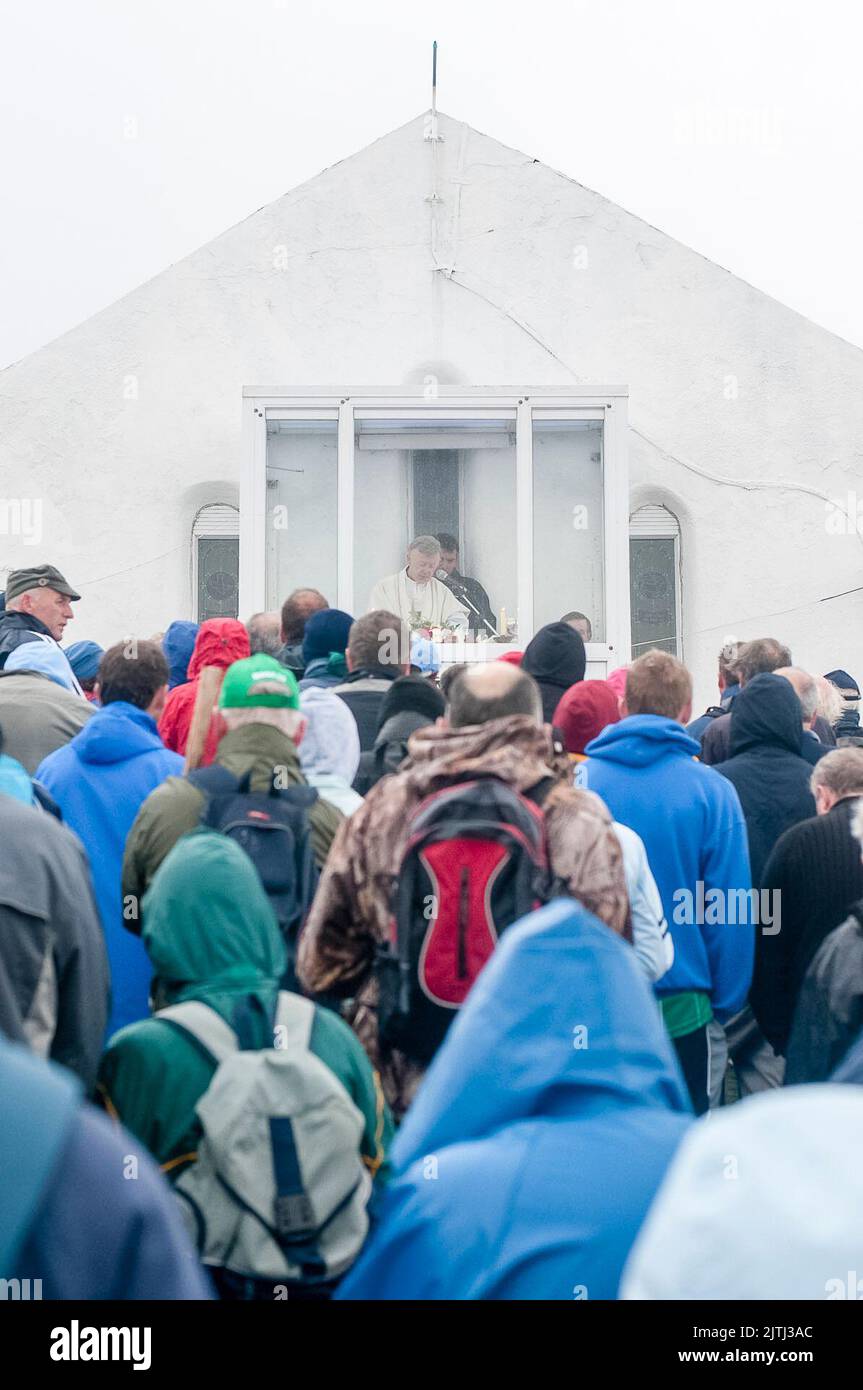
column 212, row 936
column 534, row 1147
column 220, row 642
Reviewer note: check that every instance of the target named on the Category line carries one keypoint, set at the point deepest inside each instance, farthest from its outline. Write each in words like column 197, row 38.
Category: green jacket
column 175, row 807
column 211, row 935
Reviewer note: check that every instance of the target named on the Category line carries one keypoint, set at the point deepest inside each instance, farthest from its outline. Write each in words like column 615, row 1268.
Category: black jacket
column 462, row 586
column 847, row 729
column 390, row 750
column 363, row 693
column 15, row 629
column 829, row 1014
column 716, row 741
column 816, row 870
column 771, row 778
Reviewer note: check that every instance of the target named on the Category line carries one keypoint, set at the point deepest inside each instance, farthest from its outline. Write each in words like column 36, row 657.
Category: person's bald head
column 493, row 690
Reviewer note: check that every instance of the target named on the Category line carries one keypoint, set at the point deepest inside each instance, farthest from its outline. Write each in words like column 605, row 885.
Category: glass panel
column 426, row 476
column 653, row 594
column 302, row 529
column 568, row 545
column 218, row 577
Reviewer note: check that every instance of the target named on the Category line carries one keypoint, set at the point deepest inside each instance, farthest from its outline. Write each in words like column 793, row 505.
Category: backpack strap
column 540, row 790
column 201, row 1023
column 216, row 780
column 213, row 782
column 299, row 794
column 295, row 1016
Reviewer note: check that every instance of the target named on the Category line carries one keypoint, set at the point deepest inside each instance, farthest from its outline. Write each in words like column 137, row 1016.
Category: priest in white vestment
column 415, row 595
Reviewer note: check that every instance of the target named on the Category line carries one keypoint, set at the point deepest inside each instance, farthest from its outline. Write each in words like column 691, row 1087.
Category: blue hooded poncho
column 178, row 644
column 528, row 1160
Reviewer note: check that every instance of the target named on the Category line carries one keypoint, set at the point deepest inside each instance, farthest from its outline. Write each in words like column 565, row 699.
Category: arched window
column 216, row 561
column 654, row 580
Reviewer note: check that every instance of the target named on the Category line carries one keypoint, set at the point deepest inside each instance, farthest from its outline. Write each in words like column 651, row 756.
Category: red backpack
column 475, row 861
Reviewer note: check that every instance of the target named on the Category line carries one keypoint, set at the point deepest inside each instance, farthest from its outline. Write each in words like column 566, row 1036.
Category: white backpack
column 279, row 1190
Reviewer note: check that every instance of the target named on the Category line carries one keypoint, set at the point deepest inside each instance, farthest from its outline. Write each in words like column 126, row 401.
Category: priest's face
column 421, row 567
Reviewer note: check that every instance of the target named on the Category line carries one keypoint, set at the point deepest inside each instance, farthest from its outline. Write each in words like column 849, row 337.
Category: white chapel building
column 443, row 334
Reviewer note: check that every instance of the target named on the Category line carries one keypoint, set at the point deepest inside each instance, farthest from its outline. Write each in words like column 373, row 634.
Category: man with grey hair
column 814, row 876
column 829, row 1013
column 265, row 633
column 806, row 690
column 38, row 605
column 415, row 595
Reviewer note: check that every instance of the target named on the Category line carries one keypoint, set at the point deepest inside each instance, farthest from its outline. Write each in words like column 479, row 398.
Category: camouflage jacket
column 352, row 909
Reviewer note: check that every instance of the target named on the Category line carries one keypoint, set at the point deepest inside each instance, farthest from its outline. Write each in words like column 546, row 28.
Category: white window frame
column 607, row 404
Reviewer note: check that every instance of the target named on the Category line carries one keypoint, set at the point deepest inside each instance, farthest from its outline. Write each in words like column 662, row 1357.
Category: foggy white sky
column 133, row 131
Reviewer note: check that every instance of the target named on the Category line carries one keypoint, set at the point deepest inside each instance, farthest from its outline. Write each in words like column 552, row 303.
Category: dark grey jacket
column 363, row 692
column 390, row 750
column 291, row 655
column 829, row 1015
column 53, row 965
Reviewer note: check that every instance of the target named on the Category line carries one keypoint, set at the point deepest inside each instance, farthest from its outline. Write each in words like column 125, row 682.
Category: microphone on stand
column 461, row 592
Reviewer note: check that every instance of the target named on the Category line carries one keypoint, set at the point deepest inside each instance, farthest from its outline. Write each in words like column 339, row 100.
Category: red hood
column 220, row 642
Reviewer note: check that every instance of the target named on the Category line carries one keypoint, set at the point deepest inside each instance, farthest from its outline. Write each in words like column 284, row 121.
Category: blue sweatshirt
column 99, row 781
column 692, row 825
column 537, row 1141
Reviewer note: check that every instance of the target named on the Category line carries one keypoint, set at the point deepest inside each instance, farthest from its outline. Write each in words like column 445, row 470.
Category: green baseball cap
column 259, row 680
column 38, row 577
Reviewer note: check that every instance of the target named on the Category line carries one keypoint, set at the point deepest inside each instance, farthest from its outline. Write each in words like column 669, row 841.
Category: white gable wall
column 128, row 424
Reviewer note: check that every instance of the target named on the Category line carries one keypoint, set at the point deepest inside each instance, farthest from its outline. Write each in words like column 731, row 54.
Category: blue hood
column 642, row 739
column 178, row 644
column 549, row 1117
column 510, row 1054
column 116, row 733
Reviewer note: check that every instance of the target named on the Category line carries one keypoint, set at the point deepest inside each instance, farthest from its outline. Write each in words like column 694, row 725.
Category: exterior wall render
column 129, row 423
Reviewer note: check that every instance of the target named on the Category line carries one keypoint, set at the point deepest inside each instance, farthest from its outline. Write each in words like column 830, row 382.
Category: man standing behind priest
column 415, row 595
column 465, row 588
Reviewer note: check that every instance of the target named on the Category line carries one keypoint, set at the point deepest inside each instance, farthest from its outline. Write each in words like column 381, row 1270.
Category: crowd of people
column 330, row 970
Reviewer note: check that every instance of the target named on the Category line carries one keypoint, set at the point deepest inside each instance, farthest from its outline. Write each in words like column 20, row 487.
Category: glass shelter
column 531, row 484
